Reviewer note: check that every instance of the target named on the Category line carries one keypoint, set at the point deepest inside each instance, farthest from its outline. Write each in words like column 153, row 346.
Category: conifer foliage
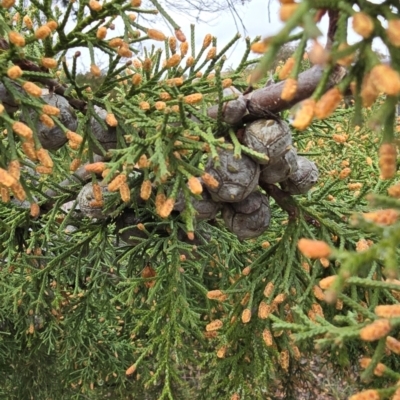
column 172, row 230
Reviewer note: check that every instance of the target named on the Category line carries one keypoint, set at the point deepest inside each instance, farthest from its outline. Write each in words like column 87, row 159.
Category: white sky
column 255, row 19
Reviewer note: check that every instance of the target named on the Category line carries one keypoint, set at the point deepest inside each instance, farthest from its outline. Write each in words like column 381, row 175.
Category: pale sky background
column 254, row 15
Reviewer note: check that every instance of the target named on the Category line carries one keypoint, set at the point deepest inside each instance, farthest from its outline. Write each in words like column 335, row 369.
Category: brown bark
column 266, row 102
column 268, row 99
column 286, row 202
column 333, row 21
column 283, row 199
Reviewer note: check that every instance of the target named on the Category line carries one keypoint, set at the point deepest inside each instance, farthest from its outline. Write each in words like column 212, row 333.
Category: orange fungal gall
column 145, row 190
column 195, row 186
column 286, row 69
column 42, row 32
column 393, row 32
column 95, row 5
column 193, row 98
column 156, row 35
column 16, row 39
column 363, row 24
column 328, row 103
column 305, row 114
column 48, row 62
column 166, row 208
column 289, row 89
column 214, row 325
column 314, row 248
column 14, row 72
column 115, row 184
column 22, row 130
column 376, row 330
column 32, row 89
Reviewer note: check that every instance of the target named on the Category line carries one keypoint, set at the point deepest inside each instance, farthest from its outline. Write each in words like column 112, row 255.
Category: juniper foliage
column 147, row 301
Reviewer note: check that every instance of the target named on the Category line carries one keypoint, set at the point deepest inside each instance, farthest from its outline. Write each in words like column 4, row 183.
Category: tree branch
column 266, row 102
column 52, row 84
column 269, row 98
column 333, row 20
column 283, row 199
column 287, row 203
